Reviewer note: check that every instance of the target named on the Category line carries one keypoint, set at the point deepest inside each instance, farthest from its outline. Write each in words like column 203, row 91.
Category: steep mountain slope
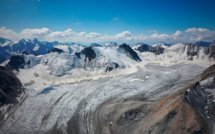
column 95, row 45
column 57, row 67
column 5, row 42
column 10, row 86
column 142, row 47
column 29, row 46
column 4, row 55
column 203, row 44
column 163, row 45
column 109, row 89
column 157, row 49
column 180, row 53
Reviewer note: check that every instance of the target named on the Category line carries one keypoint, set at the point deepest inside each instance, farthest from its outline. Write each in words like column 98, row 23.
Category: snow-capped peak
column 111, row 44
column 163, row 45
column 5, row 42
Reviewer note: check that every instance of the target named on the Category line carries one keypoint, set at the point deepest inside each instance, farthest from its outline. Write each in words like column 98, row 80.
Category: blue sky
column 108, row 16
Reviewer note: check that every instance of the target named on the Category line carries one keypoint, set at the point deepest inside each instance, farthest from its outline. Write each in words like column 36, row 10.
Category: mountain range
column 52, row 87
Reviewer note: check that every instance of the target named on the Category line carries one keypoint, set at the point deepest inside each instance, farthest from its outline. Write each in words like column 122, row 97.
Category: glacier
column 106, row 89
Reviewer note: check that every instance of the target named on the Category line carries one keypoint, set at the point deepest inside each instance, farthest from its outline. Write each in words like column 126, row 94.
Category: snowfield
column 60, row 102
column 66, row 91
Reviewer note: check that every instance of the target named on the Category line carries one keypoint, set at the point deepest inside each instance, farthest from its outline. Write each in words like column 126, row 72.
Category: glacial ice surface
column 41, row 111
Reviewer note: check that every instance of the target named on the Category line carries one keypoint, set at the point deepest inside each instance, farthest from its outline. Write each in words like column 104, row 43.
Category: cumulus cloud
column 9, row 34
column 188, row 35
column 93, row 35
column 34, row 33
column 64, row 34
column 82, row 34
column 198, row 34
column 178, row 34
column 124, row 34
column 196, row 30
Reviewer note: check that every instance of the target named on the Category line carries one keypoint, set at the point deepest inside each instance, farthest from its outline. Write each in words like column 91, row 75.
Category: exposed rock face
column 184, row 112
column 203, row 44
column 88, row 52
column 157, row 50
column 199, row 51
column 4, row 55
column 95, row 45
column 112, row 66
column 211, row 51
column 16, row 62
column 184, row 51
column 10, row 86
column 201, row 96
column 5, row 42
column 24, row 52
column 167, row 116
column 141, row 47
column 129, row 51
column 56, row 50
column 29, row 46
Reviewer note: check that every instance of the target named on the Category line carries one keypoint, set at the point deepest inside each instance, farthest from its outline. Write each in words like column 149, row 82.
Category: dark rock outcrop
column 16, row 62
column 146, row 48
column 24, row 52
column 112, row 66
column 143, row 47
column 95, row 45
column 56, row 50
column 10, row 86
column 4, row 55
column 157, row 50
column 193, row 50
column 203, row 44
column 88, row 52
column 129, row 52
column 211, row 51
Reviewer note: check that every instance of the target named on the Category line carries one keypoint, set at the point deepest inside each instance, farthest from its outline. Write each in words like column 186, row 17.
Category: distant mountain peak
column 5, row 42
column 95, row 45
column 203, row 43
column 111, row 44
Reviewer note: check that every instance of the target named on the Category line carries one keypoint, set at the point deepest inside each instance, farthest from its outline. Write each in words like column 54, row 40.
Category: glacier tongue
column 52, row 110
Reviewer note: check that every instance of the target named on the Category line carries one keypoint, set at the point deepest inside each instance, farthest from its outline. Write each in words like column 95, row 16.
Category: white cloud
column 64, row 34
column 189, row 35
column 196, row 30
column 82, row 34
column 178, row 34
column 197, row 34
column 9, row 34
column 34, row 33
column 123, row 34
column 93, row 35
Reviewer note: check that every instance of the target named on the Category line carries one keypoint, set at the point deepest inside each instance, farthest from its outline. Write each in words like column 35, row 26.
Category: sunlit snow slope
column 112, row 89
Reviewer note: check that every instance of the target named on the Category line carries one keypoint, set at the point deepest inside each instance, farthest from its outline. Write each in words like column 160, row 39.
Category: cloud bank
column 189, row 35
